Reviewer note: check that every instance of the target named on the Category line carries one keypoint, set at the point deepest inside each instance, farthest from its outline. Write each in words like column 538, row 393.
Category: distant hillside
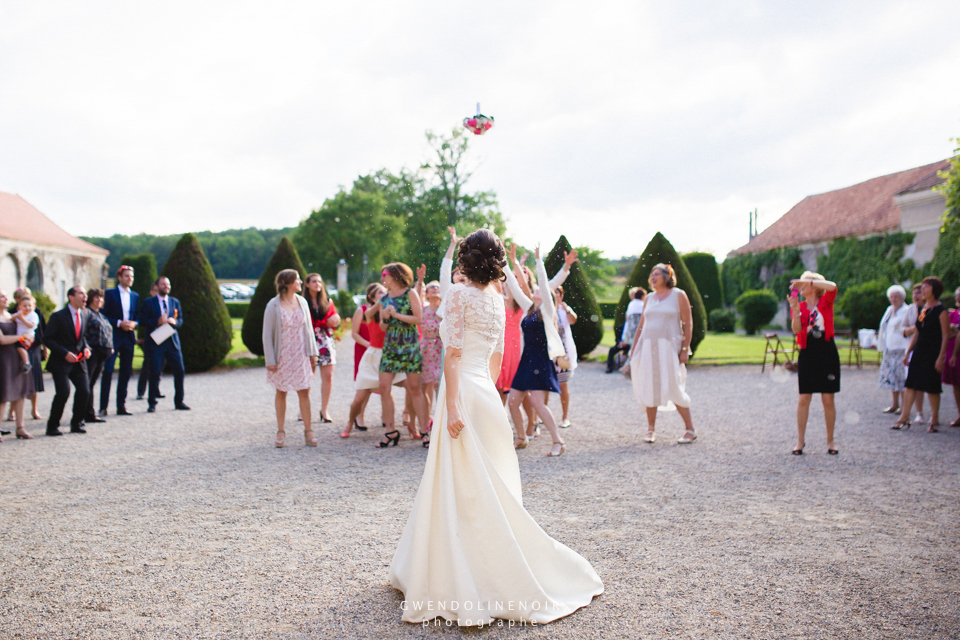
column 235, row 253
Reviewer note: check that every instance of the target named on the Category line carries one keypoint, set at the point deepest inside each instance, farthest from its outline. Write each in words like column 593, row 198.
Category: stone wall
column 54, row 269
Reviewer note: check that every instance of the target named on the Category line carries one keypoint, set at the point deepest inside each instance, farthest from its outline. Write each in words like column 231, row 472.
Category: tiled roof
column 20, row 220
column 859, row 210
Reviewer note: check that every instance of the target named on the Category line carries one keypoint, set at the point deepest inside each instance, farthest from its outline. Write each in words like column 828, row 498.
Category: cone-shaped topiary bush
column 660, row 250
column 703, row 268
column 144, row 272
column 285, row 257
column 577, row 292
column 206, row 335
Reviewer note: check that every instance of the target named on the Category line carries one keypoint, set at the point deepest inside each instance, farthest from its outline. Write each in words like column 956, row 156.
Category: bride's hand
column 454, row 424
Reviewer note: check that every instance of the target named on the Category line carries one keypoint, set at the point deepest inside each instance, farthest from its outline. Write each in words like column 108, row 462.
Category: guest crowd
column 397, row 343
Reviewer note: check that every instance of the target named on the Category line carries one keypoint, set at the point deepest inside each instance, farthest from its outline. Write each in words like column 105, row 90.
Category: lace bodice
column 468, row 311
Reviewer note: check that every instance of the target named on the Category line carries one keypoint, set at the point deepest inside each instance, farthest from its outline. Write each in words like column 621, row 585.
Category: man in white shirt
column 122, row 306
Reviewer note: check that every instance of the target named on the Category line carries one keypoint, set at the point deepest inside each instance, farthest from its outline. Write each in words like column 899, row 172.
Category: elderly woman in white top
column 893, row 344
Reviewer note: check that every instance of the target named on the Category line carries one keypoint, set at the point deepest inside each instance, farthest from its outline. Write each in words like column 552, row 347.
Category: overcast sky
column 613, row 120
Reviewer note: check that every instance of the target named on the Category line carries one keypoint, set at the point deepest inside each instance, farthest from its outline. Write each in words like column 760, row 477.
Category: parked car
column 227, row 293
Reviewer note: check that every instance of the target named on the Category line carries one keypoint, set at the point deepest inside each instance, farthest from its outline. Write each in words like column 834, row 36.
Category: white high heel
column 688, row 437
column 651, row 437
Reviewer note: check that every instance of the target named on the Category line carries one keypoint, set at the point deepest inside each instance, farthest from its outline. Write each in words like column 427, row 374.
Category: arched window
column 9, row 273
column 35, row 275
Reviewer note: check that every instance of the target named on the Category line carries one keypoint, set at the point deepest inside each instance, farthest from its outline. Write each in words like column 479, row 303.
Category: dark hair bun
column 481, row 257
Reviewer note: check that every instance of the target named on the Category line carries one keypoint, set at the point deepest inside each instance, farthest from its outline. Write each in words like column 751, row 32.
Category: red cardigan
column 825, row 307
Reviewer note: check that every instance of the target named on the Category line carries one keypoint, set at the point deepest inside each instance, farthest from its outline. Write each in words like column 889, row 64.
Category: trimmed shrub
column 703, row 268
column 237, row 309
column 285, row 257
column 608, row 309
column 206, row 335
column 144, row 273
column 660, row 250
column 577, row 292
column 44, row 304
column 346, row 307
column 722, row 320
column 948, row 300
column 757, row 309
column 863, row 305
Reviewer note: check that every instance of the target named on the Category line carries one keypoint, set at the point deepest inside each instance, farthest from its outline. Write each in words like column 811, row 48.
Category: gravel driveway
column 191, row 525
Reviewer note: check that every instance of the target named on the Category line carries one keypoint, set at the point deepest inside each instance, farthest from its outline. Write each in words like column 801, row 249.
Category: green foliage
column 207, row 334
column 144, row 272
column 864, row 304
column 237, row 309
column 608, row 309
column 348, row 227
column 946, row 258
column 742, row 273
column 756, row 308
column 722, row 320
column 285, row 257
column 44, row 304
column 856, row 261
column 346, row 307
column 588, row 330
column 703, row 268
column 598, row 270
column 660, row 250
column 235, row 253
column 951, row 187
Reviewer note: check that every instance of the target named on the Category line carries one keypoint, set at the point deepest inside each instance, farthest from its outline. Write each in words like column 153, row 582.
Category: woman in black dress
column 929, row 348
column 818, row 365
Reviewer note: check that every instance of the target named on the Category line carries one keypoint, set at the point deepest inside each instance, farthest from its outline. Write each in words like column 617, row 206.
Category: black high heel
column 358, row 426
column 426, row 440
column 393, row 437
column 798, row 452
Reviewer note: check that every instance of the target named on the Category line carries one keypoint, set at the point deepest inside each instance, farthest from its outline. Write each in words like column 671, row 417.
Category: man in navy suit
column 122, row 307
column 163, row 309
column 65, row 337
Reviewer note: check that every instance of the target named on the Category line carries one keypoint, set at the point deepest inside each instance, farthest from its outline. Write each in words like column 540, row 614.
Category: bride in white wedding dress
column 470, row 552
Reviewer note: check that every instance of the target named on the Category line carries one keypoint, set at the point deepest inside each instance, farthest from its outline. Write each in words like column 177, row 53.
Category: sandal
column 933, row 427
column 309, row 439
column 955, row 423
column 651, row 436
column 281, row 436
column 687, row 439
column 393, row 438
column 901, row 426
column 521, row 443
column 23, row 435
column 798, row 452
column 892, row 410
column 563, row 447
column 425, row 441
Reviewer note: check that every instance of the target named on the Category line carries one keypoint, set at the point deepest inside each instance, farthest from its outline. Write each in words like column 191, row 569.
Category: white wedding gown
column 470, row 552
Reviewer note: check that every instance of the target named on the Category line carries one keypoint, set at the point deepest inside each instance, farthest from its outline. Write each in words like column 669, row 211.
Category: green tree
column 946, row 258
column 660, row 250
column 703, row 268
column 207, row 334
column 144, row 272
column 757, row 308
column 348, row 227
column 597, row 269
column 285, row 257
column 864, row 305
column 577, row 292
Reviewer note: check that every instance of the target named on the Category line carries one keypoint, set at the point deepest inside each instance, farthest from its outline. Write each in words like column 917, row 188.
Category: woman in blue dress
column 536, row 373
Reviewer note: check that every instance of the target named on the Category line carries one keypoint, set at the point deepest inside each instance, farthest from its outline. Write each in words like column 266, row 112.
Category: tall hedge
column 703, row 268
column 285, row 257
column 144, row 272
column 206, row 335
column 660, row 250
column 577, row 292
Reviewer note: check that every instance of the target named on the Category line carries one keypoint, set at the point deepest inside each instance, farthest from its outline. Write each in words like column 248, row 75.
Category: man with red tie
column 65, row 338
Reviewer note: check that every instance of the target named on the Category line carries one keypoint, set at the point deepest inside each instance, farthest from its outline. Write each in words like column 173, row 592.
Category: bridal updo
column 481, row 257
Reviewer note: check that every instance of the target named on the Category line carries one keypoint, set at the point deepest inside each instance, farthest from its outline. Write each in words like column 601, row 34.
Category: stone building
column 35, row 252
column 900, row 202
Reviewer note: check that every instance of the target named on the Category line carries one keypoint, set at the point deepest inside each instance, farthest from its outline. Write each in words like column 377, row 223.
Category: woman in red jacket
column 818, row 365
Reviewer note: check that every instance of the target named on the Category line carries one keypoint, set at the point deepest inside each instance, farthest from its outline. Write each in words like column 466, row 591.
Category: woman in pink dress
column 290, row 350
column 951, row 371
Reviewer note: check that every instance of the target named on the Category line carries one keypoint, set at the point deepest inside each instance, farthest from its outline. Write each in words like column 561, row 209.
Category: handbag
column 563, row 362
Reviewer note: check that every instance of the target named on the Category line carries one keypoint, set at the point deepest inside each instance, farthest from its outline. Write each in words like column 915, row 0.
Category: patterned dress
column 951, row 375
column 401, row 345
column 325, row 340
column 431, row 346
column 293, row 366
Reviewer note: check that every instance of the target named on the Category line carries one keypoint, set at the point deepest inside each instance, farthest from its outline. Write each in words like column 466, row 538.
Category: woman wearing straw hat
column 818, row 365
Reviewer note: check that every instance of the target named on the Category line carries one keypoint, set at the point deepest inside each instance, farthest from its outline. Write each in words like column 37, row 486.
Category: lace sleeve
column 499, row 347
column 453, row 317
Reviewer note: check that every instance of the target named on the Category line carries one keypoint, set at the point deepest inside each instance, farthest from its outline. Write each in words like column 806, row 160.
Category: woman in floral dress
column 400, row 313
column 323, row 314
column 431, row 347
